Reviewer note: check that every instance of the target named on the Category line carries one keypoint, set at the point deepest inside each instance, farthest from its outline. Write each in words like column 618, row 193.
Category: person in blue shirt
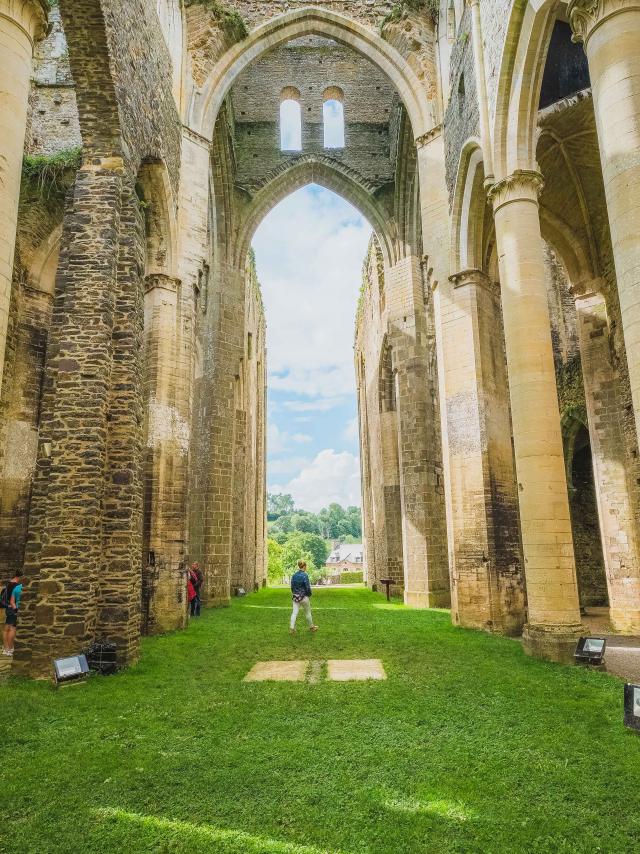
column 301, row 594
column 14, row 592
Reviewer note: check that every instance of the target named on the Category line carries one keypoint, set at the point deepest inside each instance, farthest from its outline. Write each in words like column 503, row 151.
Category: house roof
column 352, row 552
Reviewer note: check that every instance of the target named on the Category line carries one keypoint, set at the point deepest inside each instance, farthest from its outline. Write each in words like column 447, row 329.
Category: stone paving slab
column 355, row 670
column 278, row 671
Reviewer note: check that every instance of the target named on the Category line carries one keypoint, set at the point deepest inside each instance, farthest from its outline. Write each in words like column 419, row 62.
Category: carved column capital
column 426, row 138
column 161, row 280
column 521, row 185
column 474, row 277
column 31, row 16
column 586, row 15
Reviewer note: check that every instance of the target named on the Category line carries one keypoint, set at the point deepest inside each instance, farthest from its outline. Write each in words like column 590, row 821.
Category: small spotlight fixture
column 71, row 669
column 632, row 707
column 590, row 651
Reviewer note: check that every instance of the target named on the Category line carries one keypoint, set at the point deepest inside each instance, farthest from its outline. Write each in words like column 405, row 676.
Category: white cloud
column 331, row 476
column 352, row 430
column 310, row 283
column 287, row 466
column 313, row 405
column 279, row 440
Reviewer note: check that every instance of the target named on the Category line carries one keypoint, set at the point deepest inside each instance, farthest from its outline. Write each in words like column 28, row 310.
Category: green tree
column 292, row 552
column 275, row 568
column 314, row 545
column 307, row 523
column 279, row 505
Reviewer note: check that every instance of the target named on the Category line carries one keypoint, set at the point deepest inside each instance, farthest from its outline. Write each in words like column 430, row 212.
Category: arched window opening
column 590, row 569
column 290, row 120
column 566, row 71
column 333, row 117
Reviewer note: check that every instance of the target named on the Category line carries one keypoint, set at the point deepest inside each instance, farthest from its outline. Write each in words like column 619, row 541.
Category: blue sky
column 309, row 254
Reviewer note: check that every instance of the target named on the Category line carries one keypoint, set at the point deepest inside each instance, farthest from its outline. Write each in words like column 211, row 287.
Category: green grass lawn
column 469, row 746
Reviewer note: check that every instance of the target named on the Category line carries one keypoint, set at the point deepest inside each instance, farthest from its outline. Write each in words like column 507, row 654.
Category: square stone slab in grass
column 356, row 670
column 277, row 671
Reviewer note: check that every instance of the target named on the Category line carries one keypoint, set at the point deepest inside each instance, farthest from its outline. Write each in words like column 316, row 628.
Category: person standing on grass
column 301, row 594
column 10, row 596
column 198, row 586
column 191, row 590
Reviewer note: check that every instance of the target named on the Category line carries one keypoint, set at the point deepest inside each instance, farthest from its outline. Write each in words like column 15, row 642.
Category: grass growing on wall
column 231, row 21
column 49, row 173
column 468, row 747
column 430, row 7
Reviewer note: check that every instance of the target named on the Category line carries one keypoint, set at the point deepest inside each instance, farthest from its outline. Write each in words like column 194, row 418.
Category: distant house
column 346, row 558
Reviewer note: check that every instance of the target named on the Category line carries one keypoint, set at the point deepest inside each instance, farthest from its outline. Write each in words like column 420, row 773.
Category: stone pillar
column 213, row 499
column 165, row 455
column 22, row 22
column 610, row 30
column 424, row 541
column 618, row 524
column 120, row 574
column 434, row 207
column 487, row 580
column 552, row 591
column 64, row 550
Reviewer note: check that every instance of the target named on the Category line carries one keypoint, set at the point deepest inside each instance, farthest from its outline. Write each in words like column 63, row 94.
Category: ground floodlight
column 590, row 651
column 70, row 669
column 632, row 707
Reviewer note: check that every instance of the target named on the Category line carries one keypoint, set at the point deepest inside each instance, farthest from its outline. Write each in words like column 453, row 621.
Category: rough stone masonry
column 496, row 356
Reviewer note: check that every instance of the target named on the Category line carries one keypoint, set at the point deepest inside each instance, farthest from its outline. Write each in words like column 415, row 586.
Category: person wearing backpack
column 10, row 601
column 301, row 594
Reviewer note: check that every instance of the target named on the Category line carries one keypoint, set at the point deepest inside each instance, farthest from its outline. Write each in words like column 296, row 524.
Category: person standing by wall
column 10, row 598
column 197, row 579
column 301, row 594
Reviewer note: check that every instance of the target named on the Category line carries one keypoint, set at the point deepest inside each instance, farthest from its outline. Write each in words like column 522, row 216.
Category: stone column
column 165, row 454
column 488, row 586
column 552, row 591
column 65, row 548
column 22, row 22
column 212, row 500
column 618, row 525
column 610, row 30
column 424, row 540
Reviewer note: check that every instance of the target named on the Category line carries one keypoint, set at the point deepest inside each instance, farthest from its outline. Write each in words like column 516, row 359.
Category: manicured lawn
column 468, row 747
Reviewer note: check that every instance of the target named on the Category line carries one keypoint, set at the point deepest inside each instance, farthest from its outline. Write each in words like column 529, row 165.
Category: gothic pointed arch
column 329, row 174
column 519, row 85
column 206, row 103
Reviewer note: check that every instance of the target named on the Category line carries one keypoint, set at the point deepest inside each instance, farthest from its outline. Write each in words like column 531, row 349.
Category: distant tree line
column 332, row 523
column 299, row 535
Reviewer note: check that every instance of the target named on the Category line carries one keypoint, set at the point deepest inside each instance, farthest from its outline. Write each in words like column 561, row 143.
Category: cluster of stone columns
column 478, row 435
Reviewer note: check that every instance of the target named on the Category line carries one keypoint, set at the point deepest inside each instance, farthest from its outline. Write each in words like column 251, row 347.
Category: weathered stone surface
column 133, row 409
column 278, row 671
column 355, row 670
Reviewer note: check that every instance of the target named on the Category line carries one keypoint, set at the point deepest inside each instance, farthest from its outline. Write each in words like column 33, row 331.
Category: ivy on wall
column 571, row 389
column 401, row 9
column 49, row 174
column 231, row 22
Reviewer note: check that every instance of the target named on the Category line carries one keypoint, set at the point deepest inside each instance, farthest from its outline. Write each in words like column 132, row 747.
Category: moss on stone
column 571, row 389
column 232, row 23
column 49, row 173
column 401, row 9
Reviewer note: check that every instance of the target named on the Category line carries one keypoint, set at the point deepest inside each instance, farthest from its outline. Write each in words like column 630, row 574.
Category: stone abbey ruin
column 493, row 146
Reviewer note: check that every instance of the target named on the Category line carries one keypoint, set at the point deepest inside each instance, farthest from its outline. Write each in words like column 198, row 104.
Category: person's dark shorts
column 12, row 617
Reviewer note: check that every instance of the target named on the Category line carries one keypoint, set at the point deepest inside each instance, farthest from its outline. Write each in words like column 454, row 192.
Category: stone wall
column 461, row 120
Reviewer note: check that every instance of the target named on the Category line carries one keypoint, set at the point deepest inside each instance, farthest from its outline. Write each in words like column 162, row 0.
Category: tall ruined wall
column 249, row 530
column 381, row 504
